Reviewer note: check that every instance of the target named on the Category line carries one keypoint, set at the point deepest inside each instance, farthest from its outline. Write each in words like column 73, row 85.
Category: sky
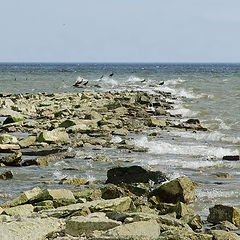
column 119, row 31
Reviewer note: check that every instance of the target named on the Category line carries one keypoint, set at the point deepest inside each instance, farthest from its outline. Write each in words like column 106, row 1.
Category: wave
column 161, row 147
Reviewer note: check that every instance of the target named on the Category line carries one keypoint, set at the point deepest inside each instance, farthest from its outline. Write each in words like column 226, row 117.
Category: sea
column 209, row 92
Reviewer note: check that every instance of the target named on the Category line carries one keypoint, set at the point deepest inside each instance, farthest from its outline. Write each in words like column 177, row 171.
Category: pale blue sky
column 120, row 30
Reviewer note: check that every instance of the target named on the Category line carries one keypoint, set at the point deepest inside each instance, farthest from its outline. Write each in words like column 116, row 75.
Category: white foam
column 183, row 111
column 161, row 147
column 116, row 139
column 214, row 194
column 174, row 81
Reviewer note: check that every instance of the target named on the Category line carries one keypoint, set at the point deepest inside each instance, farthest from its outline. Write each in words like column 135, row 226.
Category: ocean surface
column 209, row 92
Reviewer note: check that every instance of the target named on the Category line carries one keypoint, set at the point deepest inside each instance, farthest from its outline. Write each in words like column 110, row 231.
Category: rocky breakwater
column 133, row 203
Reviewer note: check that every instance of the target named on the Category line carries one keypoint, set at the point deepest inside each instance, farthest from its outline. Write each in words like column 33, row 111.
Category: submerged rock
column 134, row 174
column 6, row 175
column 13, row 159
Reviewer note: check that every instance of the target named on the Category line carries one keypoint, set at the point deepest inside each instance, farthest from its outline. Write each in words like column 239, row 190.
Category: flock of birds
column 80, row 83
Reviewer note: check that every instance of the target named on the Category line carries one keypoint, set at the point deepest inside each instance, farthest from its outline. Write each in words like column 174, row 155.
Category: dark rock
column 6, row 175
column 134, row 174
column 13, row 159
column 193, row 121
column 231, row 158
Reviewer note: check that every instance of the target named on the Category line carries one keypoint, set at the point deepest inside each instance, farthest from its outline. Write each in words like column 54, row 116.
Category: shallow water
column 209, row 92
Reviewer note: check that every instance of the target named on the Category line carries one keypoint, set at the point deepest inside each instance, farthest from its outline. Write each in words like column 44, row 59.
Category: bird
column 161, row 83
column 144, row 80
column 101, row 77
column 78, row 82
column 85, row 83
column 110, row 75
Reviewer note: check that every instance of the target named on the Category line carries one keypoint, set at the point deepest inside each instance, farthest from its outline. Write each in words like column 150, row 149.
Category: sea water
column 209, row 92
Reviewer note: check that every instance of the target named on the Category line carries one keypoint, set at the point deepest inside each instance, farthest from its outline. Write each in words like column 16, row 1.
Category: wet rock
column 43, row 205
column 14, row 119
column 180, row 189
column 25, row 197
column 154, row 122
column 76, row 226
column 21, row 210
column 224, row 235
column 134, row 174
column 231, row 158
column 13, row 159
column 223, row 175
column 68, row 123
column 193, row 121
column 28, row 141
column 6, row 175
column 101, row 159
column 74, row 181
column 30, row 228
column 55, row 136
column 220, row 213
column 8, row 139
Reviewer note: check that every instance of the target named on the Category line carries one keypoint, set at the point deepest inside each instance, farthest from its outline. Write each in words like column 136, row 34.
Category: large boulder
column 220, row 213
column 181, row 189
column 134, row 174
column 58, row 135
column 76, row 226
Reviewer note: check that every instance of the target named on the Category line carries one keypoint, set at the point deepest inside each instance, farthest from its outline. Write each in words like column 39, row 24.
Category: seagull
column 161, row 83
column 110, row 75
column 101, row 77
column 144, row 80
column 78, row 82
column 85, row 83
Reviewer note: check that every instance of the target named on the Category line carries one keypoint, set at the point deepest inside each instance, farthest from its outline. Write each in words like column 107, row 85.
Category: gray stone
column 76, row 226
column 55, row 136
column 7, row 138
column 21, row 210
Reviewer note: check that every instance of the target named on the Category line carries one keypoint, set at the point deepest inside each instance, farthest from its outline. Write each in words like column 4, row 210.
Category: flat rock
column 79, row 225
column 21, row 210
column 29, row 229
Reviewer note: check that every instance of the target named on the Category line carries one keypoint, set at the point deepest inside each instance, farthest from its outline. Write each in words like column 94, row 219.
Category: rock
column 182, row 209
column 195, row 222
column 224, row 235
column 4, row 147
column 21, row 210
column 160, row 111
column 101, row 159
column 43, row 205
column 25, row 197
column 55, row 194
column 154, row 122
column 180, row 189
column 112, row 191
column 29, row 229
column 120, row 132
column 28, row 141
column 6, row 139
column 223, row 175
column 220, row 213
column 134, row 174
column 224, row 225
column 6, row 175
column 89, row 194
column 136, row 230
column 231, row 158
column 118, row 204
column 74, row 181
column 76, row 226
column 193, row 121
column 13, row 159
column 14, row 119
column 67, row 123
column 55, row 136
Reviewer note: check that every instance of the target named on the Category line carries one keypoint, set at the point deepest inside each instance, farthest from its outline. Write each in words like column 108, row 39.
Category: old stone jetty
column 132, row 203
